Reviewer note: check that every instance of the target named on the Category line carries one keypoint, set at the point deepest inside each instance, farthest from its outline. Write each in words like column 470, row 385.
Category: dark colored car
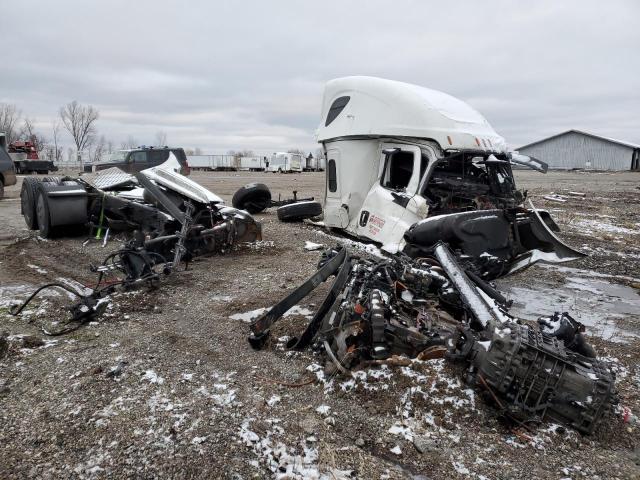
column 7, row 170
column 137, row 159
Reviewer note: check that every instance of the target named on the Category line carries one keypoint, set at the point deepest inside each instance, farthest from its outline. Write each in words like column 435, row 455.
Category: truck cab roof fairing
column 378, row 107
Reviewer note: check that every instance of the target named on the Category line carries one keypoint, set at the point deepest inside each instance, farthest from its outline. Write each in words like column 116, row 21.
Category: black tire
column 296, row 212
column 1, row 189
column 42, row 213
column 28, row 196
column 254, row 198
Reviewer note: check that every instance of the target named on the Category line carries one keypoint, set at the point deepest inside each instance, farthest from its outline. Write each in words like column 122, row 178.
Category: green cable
column 99, row 232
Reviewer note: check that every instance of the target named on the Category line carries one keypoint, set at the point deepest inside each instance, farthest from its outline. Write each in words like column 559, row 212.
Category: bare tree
column 79, row 121
column 28, row 133
column 9, row 119
column 97, row 149
column 241, row 153
column 130, row 142
column 295, row 150
column 57, row 152
column 161, row 138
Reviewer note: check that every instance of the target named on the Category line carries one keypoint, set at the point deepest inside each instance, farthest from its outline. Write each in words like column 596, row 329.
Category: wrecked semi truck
column 409, row 166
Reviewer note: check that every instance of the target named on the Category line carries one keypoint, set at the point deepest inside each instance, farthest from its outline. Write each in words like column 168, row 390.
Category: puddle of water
column 595, row 302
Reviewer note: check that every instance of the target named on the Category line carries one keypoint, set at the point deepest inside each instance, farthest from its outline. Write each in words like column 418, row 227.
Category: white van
column 283, row 162
column 408, row 166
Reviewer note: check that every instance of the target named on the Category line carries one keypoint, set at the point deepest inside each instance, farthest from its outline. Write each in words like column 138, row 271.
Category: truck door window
column 331, row 177
column 398, row 170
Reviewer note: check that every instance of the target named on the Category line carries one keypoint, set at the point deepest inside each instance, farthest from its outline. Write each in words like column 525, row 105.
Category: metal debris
column 170, row 218
column 396, row 309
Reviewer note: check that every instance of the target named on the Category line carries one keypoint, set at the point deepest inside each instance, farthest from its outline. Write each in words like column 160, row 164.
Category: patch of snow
column 323, row 409
column 396, row 450
column 37, row 269
column 152, row 377
column 250, row 315
column 310, row 246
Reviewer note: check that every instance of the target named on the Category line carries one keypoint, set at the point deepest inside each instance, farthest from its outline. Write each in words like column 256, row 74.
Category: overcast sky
column 250, row 74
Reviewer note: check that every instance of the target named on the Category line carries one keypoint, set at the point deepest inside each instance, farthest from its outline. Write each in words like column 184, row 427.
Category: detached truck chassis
column 171, row 217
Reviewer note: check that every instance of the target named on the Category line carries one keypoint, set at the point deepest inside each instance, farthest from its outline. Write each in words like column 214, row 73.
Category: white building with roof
column 575, row 149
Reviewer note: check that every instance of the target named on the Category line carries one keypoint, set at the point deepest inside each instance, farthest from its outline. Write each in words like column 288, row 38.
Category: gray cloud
column 229, row 75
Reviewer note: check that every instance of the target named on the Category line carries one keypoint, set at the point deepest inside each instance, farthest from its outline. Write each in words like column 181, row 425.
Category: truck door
column 392, row 204
column 335, row 214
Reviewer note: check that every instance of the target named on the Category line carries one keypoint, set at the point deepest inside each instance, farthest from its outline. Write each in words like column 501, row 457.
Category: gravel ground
column 166, row 385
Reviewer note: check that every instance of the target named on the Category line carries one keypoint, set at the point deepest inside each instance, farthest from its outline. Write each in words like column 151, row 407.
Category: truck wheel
column 42, row 214
column 28, row 196
column 1, row 189
column 296, row 212
column 254, row 198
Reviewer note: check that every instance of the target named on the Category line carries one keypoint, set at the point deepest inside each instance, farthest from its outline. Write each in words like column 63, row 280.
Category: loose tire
column 42, row 214
column 296, row 212
column 28, row 197
column 254, row 198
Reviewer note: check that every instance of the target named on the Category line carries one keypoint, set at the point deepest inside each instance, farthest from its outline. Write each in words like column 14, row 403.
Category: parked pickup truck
column 7, row 171
column 138, row 159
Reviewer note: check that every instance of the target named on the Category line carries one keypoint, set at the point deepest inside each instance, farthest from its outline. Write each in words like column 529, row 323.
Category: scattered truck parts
column 378, row 310
column 170, row 218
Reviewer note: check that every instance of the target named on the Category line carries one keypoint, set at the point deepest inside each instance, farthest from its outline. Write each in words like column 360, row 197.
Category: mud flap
column 542, row 244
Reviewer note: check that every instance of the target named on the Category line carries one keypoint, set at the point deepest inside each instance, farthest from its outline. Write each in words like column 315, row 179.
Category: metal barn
column 575, row 149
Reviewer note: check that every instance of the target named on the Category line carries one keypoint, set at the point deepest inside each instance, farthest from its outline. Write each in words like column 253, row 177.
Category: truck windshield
column 116, row 157
column 467, row 181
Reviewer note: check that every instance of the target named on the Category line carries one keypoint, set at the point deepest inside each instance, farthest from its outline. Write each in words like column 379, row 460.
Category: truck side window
column 157, row 157
column 398, row 171
column 336, row 107
column 138, row 157
column 332, row 178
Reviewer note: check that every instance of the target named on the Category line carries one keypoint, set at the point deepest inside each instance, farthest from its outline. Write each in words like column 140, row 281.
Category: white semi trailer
column 211, row 162
column 253, row 164
column 408, row 166
column 283, row 162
